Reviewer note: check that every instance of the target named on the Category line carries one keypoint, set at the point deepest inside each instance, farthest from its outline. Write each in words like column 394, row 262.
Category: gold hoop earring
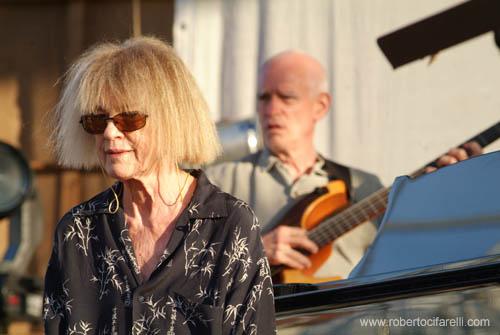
column 116, row 200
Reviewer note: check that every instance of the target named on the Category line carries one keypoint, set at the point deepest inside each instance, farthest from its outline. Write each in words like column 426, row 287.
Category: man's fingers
column 473, row 148
column 292, row 258
column 455, row 155
column 430, row 169
column 295, row 237
column 458, row 153
column 446, row 160
column 280, row 245
column 303, row 242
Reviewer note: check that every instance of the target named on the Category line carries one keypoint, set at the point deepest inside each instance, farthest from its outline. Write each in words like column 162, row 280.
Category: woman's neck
column 157, row 195
column 152, row 205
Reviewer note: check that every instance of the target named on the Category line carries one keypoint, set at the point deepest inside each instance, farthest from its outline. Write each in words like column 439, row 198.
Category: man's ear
column 323, row 102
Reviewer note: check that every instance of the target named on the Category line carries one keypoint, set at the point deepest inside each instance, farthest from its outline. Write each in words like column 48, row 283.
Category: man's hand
column 455, row 155
column 281, row 242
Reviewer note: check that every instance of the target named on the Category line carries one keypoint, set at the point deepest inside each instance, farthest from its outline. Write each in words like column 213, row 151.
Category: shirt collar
column 267, row 161
column 208, row 201
column 103, row 203
column 319, row 166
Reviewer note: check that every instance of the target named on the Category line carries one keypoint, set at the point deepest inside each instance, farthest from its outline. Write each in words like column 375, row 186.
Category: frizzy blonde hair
column 142, row 74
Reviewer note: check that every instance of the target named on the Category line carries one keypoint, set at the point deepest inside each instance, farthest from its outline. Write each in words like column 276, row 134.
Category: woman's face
column 122, row 154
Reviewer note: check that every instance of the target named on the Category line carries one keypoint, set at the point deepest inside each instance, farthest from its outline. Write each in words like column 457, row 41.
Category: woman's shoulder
column 209, row 201
column 100, row 203
column 240, row 214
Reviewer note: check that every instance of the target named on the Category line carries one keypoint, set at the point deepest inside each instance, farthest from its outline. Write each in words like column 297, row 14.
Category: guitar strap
column 336, row 171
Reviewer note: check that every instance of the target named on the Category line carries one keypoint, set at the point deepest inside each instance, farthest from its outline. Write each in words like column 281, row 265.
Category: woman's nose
column 111, row 131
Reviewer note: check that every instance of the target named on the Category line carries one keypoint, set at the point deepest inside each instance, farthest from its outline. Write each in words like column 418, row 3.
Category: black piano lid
column 479, row 272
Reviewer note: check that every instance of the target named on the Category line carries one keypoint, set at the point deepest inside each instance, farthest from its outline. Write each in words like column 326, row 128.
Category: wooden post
column 136, row 18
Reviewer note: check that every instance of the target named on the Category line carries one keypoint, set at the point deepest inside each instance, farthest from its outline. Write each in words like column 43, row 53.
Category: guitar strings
column 334, row 227
column 341, row 224
column 344, row 221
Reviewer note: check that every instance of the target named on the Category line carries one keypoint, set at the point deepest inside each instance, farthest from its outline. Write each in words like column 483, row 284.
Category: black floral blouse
column 213, row 276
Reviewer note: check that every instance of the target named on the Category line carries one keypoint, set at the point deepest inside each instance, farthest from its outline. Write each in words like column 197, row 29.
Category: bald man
column 292, row 98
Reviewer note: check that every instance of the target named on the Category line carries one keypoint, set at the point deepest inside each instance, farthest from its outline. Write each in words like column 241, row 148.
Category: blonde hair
column 144, row 74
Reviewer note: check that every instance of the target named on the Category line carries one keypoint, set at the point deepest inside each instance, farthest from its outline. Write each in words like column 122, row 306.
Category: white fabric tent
column 382, row 120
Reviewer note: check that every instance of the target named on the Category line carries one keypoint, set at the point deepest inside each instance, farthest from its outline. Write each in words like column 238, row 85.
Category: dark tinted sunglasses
column 127, row 121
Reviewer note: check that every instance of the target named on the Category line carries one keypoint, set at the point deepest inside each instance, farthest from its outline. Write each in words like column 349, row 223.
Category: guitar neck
column 375, row 204
column 484, row 138
column 340, row 223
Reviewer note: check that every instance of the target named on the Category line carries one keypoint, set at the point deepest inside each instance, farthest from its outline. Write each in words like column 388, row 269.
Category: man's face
column 286, row 107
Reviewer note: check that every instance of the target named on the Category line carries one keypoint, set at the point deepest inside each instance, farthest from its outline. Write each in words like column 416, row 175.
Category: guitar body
column 315, row 210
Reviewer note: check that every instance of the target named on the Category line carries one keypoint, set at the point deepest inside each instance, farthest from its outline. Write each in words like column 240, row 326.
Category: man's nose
column 271, row 106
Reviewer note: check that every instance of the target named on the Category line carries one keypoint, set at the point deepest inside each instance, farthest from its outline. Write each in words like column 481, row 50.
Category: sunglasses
column 127, row 121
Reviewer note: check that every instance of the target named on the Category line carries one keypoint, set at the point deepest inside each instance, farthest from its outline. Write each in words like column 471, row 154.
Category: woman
column 162, row 250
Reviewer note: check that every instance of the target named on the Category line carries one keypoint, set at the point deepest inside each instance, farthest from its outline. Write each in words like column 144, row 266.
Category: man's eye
column 263, row 97
column 287, row 97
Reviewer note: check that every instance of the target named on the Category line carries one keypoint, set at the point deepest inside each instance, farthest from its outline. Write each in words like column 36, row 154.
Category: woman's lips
column 115, row 153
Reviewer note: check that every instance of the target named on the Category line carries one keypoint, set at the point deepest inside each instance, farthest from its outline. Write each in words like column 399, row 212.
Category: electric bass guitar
column 326, row 215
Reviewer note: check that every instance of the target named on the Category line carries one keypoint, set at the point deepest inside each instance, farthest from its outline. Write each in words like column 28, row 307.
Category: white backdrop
column 382, row 120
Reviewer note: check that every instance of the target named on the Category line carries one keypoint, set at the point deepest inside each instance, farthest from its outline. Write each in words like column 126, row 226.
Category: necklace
column 180, row 193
